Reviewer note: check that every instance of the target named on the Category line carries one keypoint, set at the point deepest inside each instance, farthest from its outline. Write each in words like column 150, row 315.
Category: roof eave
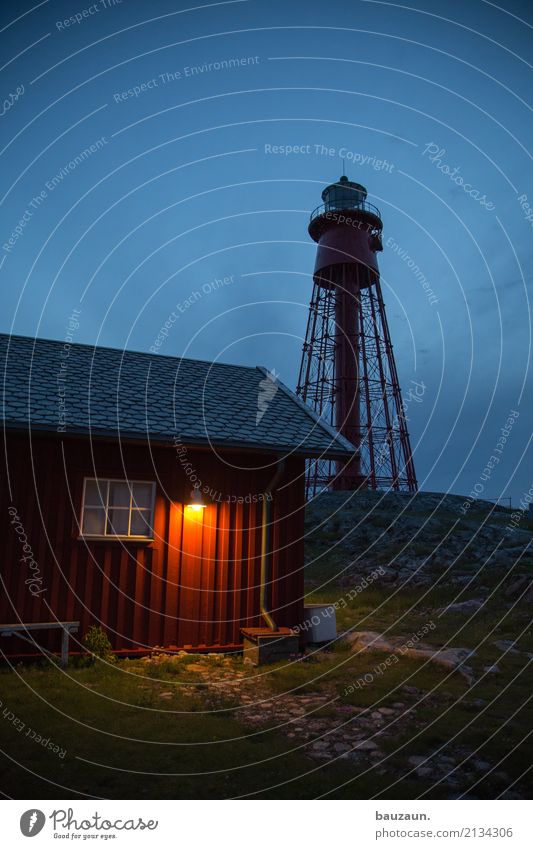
column 167, row 440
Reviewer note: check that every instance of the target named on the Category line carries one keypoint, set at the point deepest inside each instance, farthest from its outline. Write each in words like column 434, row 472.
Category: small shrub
column 97, row 644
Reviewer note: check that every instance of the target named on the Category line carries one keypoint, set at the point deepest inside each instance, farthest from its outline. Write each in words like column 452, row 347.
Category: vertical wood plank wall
column 195, row 586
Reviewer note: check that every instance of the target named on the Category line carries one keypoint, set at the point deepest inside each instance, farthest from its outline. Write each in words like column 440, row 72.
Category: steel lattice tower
column 348, row 374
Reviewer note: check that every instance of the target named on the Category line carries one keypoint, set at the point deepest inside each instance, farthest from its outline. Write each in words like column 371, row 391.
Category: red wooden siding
column 195, row 586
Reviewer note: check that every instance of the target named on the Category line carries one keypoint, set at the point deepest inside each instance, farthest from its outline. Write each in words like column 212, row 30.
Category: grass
column 108, row 716
column 122, row 738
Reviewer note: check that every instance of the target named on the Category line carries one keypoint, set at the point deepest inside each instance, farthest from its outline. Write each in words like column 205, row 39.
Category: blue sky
column 181, row 188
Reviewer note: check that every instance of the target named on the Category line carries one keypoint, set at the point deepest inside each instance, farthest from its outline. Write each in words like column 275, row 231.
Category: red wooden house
column 160, row 498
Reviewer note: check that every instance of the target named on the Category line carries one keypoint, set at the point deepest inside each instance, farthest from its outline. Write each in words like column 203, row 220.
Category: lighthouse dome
column 344, row 194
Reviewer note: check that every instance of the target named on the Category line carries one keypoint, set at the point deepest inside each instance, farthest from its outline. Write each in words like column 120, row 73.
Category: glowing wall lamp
column 196, row 504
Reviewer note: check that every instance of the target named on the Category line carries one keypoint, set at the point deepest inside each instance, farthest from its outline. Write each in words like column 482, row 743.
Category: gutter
column 266, row 545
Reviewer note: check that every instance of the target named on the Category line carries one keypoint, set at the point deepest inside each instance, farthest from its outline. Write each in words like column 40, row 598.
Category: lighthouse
column 348, row 374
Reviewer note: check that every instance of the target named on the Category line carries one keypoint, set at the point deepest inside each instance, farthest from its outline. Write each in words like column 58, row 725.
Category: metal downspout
column 266, row 539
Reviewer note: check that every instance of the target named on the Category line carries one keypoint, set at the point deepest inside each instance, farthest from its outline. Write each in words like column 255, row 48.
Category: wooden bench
column 68, row 628
column 262, row 645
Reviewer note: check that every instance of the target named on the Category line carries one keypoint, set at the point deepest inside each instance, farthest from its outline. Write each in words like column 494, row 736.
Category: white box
column 321, row 623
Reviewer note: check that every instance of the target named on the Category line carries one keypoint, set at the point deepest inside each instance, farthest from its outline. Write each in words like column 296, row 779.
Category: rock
column 368, row 640
column 387, row 575
column 506, row 646
column 463, row 606
column 424, row 771
column 316, row 725
column 492, row 670
column 416, row 760
column 387, row 711
column 347, row 709
column 366, row 745
column 165, row 695
column 452, row 658
column 482, row 766
column 518, row 586
column 529, row 595
column 468, row 673
column 196, row 667
column 412, row 691
column 410, row 565
column 354, row 526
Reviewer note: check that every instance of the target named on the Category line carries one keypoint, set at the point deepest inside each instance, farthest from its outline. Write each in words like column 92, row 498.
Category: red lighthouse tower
column 348, row 374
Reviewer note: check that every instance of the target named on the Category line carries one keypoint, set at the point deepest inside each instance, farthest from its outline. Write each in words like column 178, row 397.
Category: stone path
column 316, row 720
column 327, row 729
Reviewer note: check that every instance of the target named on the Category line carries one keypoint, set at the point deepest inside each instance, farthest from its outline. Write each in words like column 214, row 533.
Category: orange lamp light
column 196, row 503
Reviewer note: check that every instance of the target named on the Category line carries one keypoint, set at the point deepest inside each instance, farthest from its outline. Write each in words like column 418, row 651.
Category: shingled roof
column 106, row 392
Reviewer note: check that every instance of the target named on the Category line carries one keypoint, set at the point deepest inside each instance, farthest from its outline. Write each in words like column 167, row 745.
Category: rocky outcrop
column 417, row 541
column 451, row 658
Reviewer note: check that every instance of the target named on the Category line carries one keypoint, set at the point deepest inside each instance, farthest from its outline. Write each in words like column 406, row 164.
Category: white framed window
column 117, row 508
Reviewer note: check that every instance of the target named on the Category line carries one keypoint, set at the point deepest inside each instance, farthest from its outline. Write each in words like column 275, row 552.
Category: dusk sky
column 203, row 169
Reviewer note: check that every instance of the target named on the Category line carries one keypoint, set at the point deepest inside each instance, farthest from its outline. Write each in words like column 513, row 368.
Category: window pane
column 140, row 523
column 119, row 494
column 117, row 522
column 95, row 492
column 93, row 521
column 142, row 495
